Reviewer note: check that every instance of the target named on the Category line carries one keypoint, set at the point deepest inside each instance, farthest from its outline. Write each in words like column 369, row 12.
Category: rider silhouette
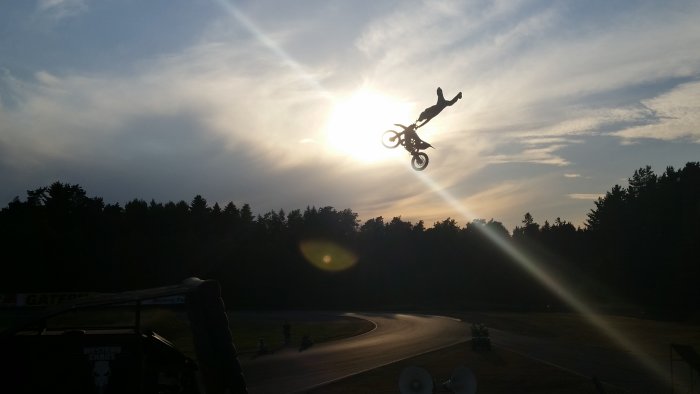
column 431, row 112
column 413, row 142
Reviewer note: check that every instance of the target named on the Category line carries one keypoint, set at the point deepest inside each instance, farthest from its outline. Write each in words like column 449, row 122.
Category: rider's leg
column 454, row 99
column 441, row 98
column 419, row 142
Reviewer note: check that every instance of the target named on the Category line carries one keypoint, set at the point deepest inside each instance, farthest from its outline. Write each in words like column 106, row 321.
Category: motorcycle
column 413, row 145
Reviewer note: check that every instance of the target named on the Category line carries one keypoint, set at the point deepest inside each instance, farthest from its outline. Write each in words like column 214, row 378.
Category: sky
column 282, row 104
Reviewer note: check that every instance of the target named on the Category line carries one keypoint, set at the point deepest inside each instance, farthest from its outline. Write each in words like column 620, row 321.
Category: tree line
column 639, row 246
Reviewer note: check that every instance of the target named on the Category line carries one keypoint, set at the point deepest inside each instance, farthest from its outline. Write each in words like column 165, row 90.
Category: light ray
column 539, row 272
column 270, row 44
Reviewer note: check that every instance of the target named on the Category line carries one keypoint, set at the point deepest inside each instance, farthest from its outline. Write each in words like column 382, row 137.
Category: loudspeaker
column 462, row 381
column 415, row 380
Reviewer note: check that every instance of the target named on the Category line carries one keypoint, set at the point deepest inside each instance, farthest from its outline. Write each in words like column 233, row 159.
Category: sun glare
column 357, row 122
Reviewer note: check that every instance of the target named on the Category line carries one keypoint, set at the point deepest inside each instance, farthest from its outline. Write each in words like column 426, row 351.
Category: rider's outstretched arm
column 422, row 124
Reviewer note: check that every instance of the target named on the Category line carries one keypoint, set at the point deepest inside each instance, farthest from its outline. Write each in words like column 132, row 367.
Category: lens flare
column 327, row 255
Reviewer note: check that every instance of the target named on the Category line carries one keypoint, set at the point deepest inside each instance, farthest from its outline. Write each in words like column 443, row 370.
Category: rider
column 412, row 139
column 431, row 112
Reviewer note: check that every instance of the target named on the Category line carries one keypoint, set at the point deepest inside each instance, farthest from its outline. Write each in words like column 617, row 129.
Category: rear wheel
column 419, row 161
column 391, row 139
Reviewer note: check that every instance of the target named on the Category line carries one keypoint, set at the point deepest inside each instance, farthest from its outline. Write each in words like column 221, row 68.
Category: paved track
column 396, row 337
column 399, row 336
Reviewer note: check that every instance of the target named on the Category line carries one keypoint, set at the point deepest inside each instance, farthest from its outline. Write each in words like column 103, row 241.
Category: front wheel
column 419, row 161
column 391, row 139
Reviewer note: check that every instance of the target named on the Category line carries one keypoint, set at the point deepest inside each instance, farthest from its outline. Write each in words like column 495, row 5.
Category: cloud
column 675, row 115
column 59, row 9
column 498, row 199
column 10, row 88
column 222, row 86
column 543, row 155
column 585, row 196
column 215, row 119
column 571, row 175
column 419, row 203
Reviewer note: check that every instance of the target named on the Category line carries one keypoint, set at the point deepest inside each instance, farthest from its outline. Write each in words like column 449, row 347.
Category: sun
column 356, row 124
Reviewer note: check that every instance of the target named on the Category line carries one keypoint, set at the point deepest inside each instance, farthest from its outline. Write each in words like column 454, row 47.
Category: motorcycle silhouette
column 410, row 141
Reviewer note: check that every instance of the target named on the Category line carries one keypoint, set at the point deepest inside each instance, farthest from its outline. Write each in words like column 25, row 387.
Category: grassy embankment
column 651, row 336
column 246, row 328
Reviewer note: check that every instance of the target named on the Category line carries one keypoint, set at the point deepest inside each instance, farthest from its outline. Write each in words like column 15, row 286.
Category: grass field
column 246, row 328
column 651, row 336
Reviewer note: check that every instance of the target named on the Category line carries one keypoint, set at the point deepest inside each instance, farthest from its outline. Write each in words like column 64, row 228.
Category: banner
column 47, row 299
column 53, row 299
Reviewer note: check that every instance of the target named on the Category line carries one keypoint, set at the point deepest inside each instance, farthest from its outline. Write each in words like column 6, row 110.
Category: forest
column 638, row 249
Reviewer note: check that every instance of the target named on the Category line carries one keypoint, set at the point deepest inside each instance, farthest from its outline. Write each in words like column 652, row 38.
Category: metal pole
column 138, row 316
column 670, row 361
column 690, row 369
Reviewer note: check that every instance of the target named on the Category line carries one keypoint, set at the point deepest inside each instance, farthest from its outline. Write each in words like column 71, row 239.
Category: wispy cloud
column 585, row 196
column 674, row 115
column 61, row 114
column 60, row 9
column 495, row 201
column 543, row 155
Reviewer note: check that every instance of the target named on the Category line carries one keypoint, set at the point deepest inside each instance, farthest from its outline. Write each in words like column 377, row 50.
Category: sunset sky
column 282, row 104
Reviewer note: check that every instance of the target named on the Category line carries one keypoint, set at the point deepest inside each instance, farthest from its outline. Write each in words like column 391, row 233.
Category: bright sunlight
column 357, row 122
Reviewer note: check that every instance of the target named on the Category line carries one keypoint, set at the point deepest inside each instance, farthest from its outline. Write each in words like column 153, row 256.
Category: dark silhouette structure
column 305, row 342
column 42, row 357
column 434, row 110
column 287, row 333
column 262, row 347
column 689, row 361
